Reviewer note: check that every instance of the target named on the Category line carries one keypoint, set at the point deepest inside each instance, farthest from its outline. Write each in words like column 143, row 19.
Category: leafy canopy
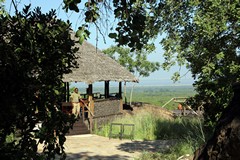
column 203, row 35
column 35, row 51
column 136, row 62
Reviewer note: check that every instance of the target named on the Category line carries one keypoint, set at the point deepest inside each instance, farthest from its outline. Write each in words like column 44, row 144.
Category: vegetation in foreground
column 35, row 51
column 208, row 45
column 186, row 133
column 182, row 148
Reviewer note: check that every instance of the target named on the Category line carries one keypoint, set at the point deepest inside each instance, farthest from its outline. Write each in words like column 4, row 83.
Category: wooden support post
column 91, row 103
column 83, row 113
column 125, row 92
column 121, row 106
column 106, row 89
column 91, row 123
column 90, row 112
column 90, row 107
column 120, row 90
column 89, row 91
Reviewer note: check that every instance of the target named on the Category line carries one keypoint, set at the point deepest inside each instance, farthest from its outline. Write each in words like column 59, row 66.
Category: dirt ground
column 94, row 147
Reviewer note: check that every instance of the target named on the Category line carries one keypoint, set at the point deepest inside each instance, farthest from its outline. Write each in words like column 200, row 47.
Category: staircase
column 79, row 127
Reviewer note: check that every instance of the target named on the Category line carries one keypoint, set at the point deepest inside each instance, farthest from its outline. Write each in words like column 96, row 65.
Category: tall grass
column 187, row 132
column 152, row 126
column 145, row 126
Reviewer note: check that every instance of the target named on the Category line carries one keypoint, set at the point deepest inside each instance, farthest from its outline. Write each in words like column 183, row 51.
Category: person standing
column 75, row 98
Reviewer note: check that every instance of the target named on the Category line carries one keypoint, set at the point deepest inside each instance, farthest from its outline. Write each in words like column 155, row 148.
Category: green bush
column 178, row 150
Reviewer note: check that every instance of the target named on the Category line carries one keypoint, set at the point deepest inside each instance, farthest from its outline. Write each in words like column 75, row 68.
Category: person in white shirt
column 75, row 98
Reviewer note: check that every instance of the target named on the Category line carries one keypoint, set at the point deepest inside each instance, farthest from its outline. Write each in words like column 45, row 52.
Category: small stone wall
column 107, row 107
column 106, row 110
column 98, row 122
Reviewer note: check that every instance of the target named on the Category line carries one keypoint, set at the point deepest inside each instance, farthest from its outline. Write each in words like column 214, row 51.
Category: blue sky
column 160, row 77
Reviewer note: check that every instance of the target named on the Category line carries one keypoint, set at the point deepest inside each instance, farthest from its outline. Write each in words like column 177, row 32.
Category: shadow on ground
column 93, row 147
column 130, row 147
column 85, row 156
column 148, row 146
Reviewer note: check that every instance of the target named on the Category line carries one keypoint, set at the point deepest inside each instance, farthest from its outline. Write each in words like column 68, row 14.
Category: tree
column 136, row 62
column 2, row 7
column 203, row 35
column 35, row 51
column 225, row 142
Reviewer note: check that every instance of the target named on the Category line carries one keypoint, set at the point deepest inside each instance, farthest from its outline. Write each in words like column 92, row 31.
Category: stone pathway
column 93, row 147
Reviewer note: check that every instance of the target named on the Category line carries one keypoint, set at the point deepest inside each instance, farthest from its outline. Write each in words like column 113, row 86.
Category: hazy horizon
column 153, row 83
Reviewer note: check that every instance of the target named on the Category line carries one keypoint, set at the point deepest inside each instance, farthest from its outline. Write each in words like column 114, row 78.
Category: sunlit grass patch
column 152, row 125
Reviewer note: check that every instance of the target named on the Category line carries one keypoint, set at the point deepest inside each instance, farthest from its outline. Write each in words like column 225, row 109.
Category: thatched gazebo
column 95, row 66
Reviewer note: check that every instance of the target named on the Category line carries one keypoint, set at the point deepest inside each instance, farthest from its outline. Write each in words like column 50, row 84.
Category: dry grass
column 149, row 108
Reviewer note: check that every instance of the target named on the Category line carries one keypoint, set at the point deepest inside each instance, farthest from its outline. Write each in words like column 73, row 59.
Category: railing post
column 122, row 130
column 91, row 123
column 83, row 112
column 119, row 134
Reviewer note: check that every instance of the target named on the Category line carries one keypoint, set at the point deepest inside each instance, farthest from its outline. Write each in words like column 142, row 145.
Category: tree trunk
column 225, row 142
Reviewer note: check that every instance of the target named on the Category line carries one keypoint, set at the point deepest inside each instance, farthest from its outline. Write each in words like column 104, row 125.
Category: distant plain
column 154, row 94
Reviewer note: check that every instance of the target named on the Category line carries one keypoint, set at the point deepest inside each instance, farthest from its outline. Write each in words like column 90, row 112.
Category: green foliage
column 203, row 35
column 71, row 4
column 35, row 51
column 2, row 7
column 136, row 62
column 82, row 33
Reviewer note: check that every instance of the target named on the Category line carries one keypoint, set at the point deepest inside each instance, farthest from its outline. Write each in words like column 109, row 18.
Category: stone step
column 79, row 128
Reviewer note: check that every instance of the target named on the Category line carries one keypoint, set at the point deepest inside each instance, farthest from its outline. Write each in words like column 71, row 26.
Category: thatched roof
column 95, row 66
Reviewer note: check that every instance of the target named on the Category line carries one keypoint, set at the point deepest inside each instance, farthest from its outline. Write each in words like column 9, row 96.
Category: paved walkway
column 93, row 147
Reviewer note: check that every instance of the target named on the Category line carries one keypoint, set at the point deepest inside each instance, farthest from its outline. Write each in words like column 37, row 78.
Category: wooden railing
column 86, row 107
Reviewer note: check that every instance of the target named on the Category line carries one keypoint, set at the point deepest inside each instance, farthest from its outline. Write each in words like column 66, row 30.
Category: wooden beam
column 120, row 90
column 125, row 92
column 90, row 107
column 90, row 89
column 106, row 89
